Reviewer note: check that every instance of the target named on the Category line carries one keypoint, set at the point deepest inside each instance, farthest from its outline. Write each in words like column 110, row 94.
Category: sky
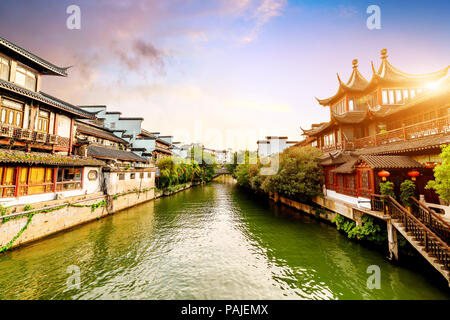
column 225, row 73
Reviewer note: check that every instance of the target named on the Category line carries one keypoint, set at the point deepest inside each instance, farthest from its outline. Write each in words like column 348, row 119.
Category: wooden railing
column 418, row 130
column 378, row 203
column 431, row 219
column 432, row 243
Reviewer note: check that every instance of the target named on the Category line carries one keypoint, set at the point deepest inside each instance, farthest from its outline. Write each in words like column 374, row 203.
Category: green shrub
column 387, row 189
column 407, row 190
column 441, row 182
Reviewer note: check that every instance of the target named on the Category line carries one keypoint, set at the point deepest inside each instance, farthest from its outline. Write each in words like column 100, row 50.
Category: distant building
column 273, row 145
column 101, row 143
column 150, row 145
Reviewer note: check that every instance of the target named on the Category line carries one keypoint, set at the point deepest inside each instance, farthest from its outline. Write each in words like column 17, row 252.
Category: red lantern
column 384, row 174
column 413, row 174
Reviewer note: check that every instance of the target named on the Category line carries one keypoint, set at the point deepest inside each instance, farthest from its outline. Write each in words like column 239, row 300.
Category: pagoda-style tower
column 361, row 109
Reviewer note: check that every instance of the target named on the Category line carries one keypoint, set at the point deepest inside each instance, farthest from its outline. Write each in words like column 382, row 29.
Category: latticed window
column 26, row 78
column 365, row 179
column 351, row 182
column 11, row 112
column 7, row 178
column 43, row 121
column 340, row 181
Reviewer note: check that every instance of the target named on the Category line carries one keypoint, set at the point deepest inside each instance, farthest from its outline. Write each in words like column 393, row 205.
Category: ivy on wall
column 30, row 215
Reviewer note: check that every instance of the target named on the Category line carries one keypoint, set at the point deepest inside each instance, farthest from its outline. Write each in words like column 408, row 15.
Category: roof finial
column 339, row 78
column 384, row 54
column 355, row 63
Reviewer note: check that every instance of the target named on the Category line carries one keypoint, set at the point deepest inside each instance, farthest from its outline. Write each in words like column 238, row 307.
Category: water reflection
column 210, row 242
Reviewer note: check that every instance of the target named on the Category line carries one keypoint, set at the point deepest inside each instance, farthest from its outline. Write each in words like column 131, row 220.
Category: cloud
column 139, row 55
column 264, row 12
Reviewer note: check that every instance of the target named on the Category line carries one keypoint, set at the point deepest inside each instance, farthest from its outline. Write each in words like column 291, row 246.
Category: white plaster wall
column 360, row 202
column 64, row 125
column 116, row 186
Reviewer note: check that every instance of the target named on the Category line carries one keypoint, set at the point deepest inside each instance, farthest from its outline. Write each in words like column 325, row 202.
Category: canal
column 210, row 242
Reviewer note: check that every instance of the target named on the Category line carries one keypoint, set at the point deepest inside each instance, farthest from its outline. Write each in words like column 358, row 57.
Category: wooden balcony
column 23, row 137
column 418, row 130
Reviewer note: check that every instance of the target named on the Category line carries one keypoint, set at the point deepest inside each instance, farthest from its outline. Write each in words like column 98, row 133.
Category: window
column 340, row 108
column 391, row 97
column 142, row 175
column 398, row 96
column 149, row 175
column 8, row 179
column 329, row 139
column 35, row 180
column 11, row 112
column 25, row 78
column 69, row 179
column 4, row 69
column 43, row 121
column 405, row 94
column 350, row 105
column 132, row 176
column 365, row 179
column 384, row 97
column 121, row 176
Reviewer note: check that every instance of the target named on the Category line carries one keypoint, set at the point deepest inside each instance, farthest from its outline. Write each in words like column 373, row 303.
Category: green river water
column 210, row 242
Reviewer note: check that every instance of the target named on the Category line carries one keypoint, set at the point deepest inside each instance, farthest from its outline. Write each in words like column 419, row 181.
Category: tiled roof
column 98, row 132
column 109, row 153
column 318, row 129
column 390, row 162
column 46, row 98
column 387, row 73
column 430, row 142
column 338, row 157
column 44, row 66
column 347, row 167
column 37, row 158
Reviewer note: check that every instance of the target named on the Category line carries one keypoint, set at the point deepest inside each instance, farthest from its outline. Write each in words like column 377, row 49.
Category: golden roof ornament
column 384, row 54
column 355, row 63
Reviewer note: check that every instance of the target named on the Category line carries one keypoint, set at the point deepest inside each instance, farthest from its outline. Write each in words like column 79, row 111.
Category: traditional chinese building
column 101, row 143
column 37, row 133
column 146, row 144
column 394, row 122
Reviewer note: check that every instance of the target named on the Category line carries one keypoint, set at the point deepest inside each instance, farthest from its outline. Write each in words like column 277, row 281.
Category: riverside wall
column 55, row 216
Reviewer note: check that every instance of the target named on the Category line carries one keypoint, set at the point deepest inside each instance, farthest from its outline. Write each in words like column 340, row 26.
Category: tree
column 441, row 182
column 299, row 176
column 407, row 190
